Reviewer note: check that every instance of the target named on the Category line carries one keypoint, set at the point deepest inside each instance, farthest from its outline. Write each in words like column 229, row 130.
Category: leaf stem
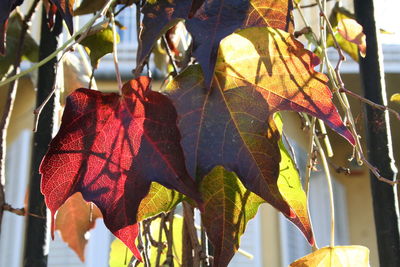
column 115, row 53
column 329, row 182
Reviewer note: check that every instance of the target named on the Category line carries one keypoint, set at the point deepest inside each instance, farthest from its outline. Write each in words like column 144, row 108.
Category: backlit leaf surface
column 228, row 208
column 110, row 148
column 74, row 219
column 159, row 199
column 340, row 256
column 290, row 187
column 231, row 124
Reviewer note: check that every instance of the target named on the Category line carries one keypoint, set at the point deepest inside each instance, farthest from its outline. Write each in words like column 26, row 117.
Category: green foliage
column 99, row 44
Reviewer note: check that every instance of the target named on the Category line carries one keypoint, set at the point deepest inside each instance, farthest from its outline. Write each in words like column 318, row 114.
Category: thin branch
column 67, row 44
column 311, row 5
column 189, row 222
column 12, row 92
column 369, row 102
column 170, row 56
column 20, row 211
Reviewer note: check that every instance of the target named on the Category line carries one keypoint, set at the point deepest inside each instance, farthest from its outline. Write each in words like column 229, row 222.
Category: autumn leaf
column 6, row 7
column 209, row 26
column 205, row 21
column 228, row 208
column 158, row 17
column 349, row 33
column 110, row 148
column 247, row 89
column 74, row 219
column 339, row 256
column 99, row 44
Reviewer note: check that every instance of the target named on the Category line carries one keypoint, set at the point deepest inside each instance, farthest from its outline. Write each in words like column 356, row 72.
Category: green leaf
column 30, row 49
column 99, row 44
column 228, row 207
column 159, row 199
column 89, row 6
column 289, row 185
column 339, row 256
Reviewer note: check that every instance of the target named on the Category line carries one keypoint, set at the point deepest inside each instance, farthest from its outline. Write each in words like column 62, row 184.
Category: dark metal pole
column 36, row 241
column 379, row 141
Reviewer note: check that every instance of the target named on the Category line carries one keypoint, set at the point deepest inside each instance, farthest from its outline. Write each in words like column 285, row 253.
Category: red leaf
column 6, row 7
column 110, row 148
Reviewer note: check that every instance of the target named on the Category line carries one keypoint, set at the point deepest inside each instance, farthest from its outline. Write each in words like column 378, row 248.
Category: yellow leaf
column 340, row 256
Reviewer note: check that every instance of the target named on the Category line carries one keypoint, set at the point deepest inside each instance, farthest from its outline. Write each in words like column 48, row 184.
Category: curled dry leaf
column 340, row 256
column 110, row 148
column 349, row 33
column 74, row 219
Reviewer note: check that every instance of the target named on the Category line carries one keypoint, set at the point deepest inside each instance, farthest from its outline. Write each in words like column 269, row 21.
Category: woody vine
column 209, row 139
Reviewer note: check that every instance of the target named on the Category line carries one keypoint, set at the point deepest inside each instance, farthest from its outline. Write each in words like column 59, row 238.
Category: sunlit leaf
column 159, row 199
column 289, row 184
column 110, row 148
column 74, row 219
column 209, row 26
column 340, row 256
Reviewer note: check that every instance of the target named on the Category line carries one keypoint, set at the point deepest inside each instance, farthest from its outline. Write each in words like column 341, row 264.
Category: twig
column 20, row 211
column 160, row 246
column 61, row 48
column 369, row 102
column 115, row 53
column 12, row 92
column 330, row 187
column 189, row 222
column 169, row 235
column 311, row 5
